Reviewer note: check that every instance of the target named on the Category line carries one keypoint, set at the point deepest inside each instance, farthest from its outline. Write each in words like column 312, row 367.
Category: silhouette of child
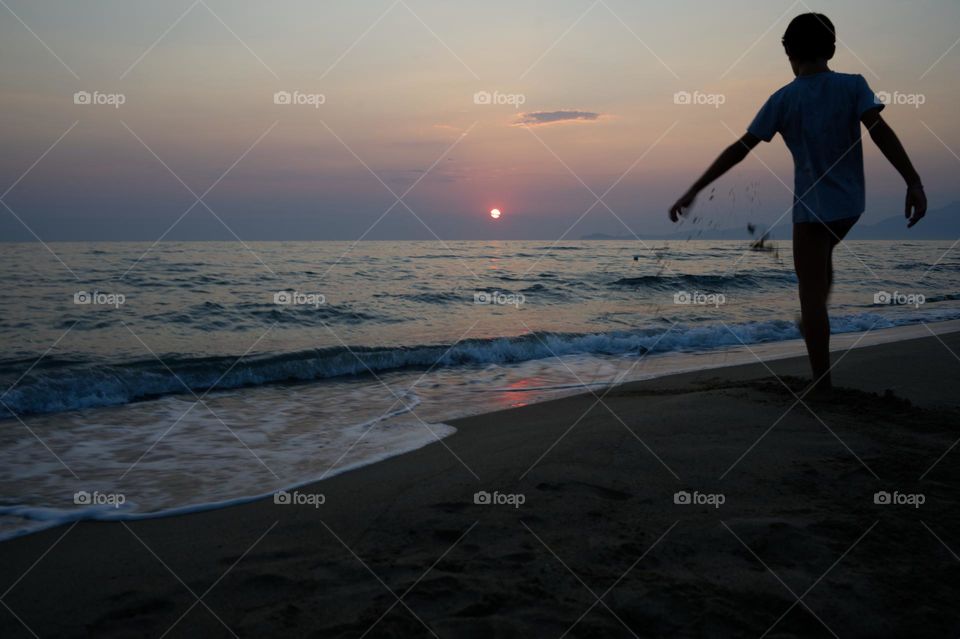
column 819, row 115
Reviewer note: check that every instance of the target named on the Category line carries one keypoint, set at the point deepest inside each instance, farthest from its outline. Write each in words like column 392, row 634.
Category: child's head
column 810, row 37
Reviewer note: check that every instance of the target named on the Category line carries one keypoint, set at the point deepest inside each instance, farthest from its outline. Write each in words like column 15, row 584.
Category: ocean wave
column 433, row 297
column 33, row 518
column 714, row 282
column 76, row 387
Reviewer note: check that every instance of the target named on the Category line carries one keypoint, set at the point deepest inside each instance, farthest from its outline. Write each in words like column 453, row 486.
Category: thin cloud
column 537, row 118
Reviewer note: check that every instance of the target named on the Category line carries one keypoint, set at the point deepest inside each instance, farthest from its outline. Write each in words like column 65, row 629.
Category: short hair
column 810, row 36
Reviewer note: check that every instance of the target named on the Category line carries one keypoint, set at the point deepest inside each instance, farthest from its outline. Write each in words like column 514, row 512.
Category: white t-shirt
column 818, row 116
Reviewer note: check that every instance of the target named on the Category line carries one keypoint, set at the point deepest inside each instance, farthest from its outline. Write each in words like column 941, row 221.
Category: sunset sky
column 596, row 80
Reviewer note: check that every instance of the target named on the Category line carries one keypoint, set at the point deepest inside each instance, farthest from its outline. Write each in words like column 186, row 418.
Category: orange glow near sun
column 495, row 213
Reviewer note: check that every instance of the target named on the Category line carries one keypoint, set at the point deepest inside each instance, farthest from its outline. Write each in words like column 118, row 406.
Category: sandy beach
column 479, row 320
column 583, row 536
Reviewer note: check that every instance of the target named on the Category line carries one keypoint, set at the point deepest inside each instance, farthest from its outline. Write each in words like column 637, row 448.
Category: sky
column 411, row 119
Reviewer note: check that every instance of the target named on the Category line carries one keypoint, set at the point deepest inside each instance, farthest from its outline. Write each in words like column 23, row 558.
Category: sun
column 495, row 214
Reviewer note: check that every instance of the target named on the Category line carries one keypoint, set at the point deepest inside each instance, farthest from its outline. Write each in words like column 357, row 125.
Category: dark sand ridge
column 599, row 521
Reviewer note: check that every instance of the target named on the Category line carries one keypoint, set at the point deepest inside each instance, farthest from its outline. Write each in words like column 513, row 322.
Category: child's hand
column 679, row 207
column 916, row 200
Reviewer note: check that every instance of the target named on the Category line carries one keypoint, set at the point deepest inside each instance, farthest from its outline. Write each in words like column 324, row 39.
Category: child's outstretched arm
column 730, row 157
column 888, row 143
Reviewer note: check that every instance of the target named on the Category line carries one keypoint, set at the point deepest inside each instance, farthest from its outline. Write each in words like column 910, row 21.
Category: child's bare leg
column 812, row 246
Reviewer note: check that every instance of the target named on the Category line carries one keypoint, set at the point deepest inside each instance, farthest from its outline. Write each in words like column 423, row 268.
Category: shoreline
column 598, row 480
column 667, row 365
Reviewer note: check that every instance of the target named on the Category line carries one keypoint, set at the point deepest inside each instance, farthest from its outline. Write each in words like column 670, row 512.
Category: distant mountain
column 939, row 224
column 689, row 233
